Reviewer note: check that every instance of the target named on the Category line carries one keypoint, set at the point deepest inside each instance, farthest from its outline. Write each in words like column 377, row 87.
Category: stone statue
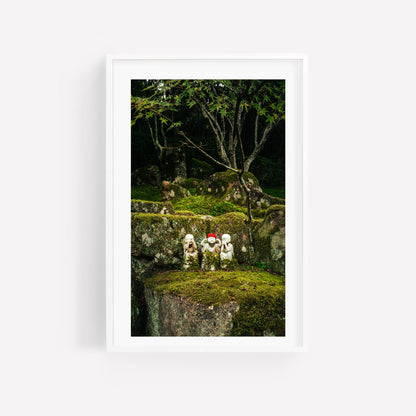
column 210, row 253
column 227, row 253
column 190, row 253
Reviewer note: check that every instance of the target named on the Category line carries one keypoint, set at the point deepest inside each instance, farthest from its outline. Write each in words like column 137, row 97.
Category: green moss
column 273, row 208
column 259, row 294
column 146, row 192
column 233, row 222
column 210, row 261
column 216, row 288
column 229, row 264
column 206, row 205
column 187, row 213
column 221, row 183
column 260, row 315
column 192, row 264
column 190, row 183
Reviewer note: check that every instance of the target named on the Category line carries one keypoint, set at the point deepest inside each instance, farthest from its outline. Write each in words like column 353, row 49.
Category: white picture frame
column 120, row 70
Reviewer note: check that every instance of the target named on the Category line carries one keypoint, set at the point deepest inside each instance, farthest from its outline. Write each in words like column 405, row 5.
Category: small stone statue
column 210, row 253
column 190, row 253
column 227, row 253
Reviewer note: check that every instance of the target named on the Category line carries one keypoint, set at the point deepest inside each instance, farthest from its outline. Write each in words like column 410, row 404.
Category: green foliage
column 262, row 266
column 146, row 192
column 224, row 105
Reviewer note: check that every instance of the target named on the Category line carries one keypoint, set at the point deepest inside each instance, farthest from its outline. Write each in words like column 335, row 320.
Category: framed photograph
column 204, row 203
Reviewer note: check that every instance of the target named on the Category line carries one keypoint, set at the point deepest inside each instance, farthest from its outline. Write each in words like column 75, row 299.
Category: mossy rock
column 226, row 264
column 259, row 200
column 187, row 213
column 227, row 187
column 269, row 239
column 151, row 207
column 240, row 303
column 160, row 237
column 220, row 183
column 172, row 191
column 200, row 169
column 190, row 183
column 234, row 224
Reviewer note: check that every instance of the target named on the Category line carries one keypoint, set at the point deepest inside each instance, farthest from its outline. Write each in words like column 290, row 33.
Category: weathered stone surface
column 170, row 315
column 226, row 186
column 200, row 169
column 190, row 183
column 151, row 207
column 159, row 237
column 147, row 174
column 140, row 269
column 173, row 191
column 218, row 303
column 234, row 224
column 259, row 200
column 220, row 183
column 269, row 239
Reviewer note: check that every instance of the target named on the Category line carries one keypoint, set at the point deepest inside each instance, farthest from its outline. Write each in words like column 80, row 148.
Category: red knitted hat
column 211, row 235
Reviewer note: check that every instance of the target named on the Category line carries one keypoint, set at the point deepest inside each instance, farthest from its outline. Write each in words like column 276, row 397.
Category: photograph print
column 207, row 208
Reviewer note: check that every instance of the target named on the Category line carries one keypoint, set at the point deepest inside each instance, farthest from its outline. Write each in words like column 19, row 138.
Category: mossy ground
column 260, row 295
column 210, row 205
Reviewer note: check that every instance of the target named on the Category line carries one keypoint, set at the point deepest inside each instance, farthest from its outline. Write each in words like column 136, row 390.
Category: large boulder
column 172, row 191
column 159, row 237
column 220, row 183
column 169, row 315
column 269, row 239
column 222, row 303
column 226, row 186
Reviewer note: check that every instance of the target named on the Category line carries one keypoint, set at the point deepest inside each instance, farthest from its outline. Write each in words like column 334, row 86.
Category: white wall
column 361, row 210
